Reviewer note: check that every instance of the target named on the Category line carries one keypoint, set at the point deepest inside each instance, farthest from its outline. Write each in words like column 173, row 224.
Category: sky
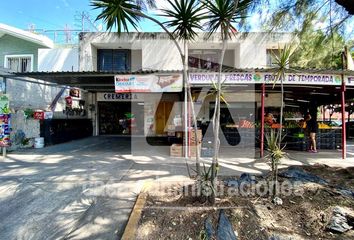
column 65, row 14
column 52, row 15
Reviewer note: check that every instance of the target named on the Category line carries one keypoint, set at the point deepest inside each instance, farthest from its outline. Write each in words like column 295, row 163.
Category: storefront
column 305, row 92
column 140, row 114
column 152, row 103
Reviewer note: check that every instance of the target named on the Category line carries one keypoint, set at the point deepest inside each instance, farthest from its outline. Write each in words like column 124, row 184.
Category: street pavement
column 85, row 189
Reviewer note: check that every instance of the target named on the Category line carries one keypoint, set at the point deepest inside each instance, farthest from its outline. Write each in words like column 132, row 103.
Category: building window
column 19, row 63
column 113, row 60
column 204, row 59
column 271, row 53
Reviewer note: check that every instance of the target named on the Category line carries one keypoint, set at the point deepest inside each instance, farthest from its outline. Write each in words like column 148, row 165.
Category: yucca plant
column 276, row 153
column 222, row 14
column 281, row 64
column 185, row 18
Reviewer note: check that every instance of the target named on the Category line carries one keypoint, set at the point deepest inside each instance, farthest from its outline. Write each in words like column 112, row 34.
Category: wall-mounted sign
column 148, row 83
column 119, row 97
column 38, row 115
column 74, row 92
column 254, row 78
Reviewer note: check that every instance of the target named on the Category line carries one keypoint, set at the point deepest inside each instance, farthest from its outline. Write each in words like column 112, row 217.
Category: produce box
column 192, row 137
column 193, row 150
column 176, row 150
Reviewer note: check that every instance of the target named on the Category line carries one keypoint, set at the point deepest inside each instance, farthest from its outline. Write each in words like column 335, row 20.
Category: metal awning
column 98, row 81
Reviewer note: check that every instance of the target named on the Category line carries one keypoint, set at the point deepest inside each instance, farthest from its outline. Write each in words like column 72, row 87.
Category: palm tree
column 121, row 13
column 222, row 14
column 281, row 64
column 185, row 17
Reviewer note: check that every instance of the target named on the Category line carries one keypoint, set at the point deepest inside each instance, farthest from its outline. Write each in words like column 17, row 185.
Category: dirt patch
column 176, row 213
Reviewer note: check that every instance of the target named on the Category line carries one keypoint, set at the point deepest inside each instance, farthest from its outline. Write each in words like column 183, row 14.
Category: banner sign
column 148, row 83
column 263, row 77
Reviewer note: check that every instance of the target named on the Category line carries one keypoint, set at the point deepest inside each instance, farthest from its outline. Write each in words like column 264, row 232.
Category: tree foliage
column 316, row 50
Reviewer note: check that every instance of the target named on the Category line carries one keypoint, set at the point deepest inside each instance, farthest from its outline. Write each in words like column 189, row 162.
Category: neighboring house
column 19, row 48
column 24, row 52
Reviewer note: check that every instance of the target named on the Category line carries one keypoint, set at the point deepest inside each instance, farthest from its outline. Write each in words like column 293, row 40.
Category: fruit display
column 276, row 125
column 246, row 124
column 323, row 126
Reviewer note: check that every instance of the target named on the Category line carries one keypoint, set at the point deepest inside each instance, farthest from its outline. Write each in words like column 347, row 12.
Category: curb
column 132, row 225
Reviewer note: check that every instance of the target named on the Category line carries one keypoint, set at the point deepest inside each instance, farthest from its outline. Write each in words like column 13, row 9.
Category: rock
column 209, row 230
column 299, row 174
column 225, row 230
column 277, row 201
column 245, row 177
column 346, row 192
column 339, row 222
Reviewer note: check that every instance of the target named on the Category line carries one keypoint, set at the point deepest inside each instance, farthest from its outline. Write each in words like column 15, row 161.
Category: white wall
column 23, row 95
column 160, row 55
column 58, row 59
column 158, row 52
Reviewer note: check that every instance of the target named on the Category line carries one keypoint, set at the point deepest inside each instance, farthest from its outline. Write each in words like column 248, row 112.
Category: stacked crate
column 326, row 139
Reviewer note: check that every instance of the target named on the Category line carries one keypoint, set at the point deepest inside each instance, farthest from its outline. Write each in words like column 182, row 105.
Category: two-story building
column 142, row 52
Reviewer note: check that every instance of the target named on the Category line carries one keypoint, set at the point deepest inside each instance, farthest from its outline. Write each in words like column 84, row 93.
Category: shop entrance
column 120, row 118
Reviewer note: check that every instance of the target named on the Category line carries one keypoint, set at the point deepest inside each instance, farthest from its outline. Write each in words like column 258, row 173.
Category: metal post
column 262, row 120
column 185, row 135
column 189, row 129
column 344, row 135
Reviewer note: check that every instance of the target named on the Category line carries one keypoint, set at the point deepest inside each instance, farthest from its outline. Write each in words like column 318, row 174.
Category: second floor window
column 271, row 60
column 19, row 63
column 203, row 58
column 113, row 60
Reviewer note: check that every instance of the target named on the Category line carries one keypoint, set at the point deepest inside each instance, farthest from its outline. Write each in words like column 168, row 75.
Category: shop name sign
column 254, row 78
column 349, row 80
column 148, row 83
column 116, row 97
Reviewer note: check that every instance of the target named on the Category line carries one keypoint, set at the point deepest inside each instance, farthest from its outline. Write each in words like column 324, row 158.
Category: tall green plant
column 121, row 13
column 281, row 64
column 185, row 18
column 222, row 14
column 276, row 153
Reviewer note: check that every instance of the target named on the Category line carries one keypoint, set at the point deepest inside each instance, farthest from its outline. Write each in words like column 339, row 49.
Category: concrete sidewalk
column 85, row 189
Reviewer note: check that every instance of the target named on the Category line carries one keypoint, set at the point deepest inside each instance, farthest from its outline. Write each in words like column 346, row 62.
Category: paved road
column 79, row 190
column 86, row 189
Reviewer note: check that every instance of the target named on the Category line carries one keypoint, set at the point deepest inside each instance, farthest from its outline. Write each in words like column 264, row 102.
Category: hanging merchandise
column 5, row 130
column 69, row 102
column 4, row 121
column 4, row 104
